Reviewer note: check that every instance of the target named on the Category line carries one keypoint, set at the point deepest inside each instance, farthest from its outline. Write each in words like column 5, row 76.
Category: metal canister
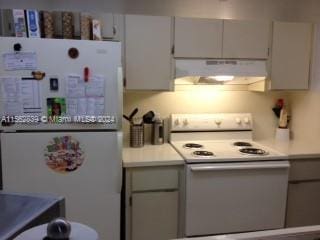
column 157, row 137
column 136, row 135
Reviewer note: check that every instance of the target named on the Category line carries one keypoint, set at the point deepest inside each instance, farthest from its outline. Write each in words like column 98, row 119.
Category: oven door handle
column 233, row 166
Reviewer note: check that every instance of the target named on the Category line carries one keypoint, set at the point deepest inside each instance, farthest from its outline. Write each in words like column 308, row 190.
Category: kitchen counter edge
column 151, row 155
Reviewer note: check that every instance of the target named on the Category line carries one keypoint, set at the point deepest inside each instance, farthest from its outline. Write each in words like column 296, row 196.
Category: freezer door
column 92, row 190
column 235, row 197
column 102, row 58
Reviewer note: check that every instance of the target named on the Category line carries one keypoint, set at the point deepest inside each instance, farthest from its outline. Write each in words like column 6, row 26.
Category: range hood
column 219, row 71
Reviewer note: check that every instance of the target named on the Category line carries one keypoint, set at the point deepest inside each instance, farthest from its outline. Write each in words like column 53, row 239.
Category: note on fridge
column 95, row 87
column 95, row 106
column 20, row 61
column 30, row 95
column 12, row 108
column 82, row 107
column 72, row 106
column 11, row 95
column 85, row 106
column 75, row 86
column 99, row 106
column 10, row 87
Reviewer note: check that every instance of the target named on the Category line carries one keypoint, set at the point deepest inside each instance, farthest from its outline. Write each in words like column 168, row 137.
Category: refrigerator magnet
column 64, row 154
column 38, row 75
column 54, row 84
column 73, row 53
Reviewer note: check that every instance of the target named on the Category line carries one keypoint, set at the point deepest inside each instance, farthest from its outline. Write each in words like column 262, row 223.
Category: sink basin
column 19, row 212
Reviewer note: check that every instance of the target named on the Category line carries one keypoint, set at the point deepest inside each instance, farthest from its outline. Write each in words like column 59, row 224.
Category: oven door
column 235, row 197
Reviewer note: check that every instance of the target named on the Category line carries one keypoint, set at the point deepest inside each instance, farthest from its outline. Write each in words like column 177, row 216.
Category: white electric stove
column 201, row 138
column 232, row 184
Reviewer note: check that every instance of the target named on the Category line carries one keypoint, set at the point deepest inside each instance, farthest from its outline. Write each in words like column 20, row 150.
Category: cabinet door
column 291, row 54
column 246, row 39
column 198, row 38
column 148, row 52
column 154, row 215
column 303, row 207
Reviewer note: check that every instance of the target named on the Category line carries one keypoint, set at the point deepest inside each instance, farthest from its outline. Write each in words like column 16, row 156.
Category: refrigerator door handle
column 120, row 98
column 119, row 151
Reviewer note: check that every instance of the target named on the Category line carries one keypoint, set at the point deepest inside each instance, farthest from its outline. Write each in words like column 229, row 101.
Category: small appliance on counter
column 157, row 137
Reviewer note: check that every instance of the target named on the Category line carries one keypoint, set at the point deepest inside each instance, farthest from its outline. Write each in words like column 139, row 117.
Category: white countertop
column 295, row 149
column 165, row 155
column 151, row 155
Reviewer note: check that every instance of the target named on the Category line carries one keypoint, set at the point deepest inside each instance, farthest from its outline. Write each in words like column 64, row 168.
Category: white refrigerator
column 61, row 134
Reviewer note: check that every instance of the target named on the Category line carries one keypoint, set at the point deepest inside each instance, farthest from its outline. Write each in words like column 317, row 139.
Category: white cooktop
column 224, row 151
column 217, row 134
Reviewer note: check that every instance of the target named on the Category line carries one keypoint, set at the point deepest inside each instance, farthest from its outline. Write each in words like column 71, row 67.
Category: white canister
column 283, row 134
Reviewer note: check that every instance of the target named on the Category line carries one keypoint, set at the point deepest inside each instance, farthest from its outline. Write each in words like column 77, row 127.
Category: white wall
column 293, row 10
column 207, row 101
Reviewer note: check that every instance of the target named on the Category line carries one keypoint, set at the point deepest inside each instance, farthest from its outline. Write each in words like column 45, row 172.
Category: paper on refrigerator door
column 30, row 95
column 20, row 61
column 72, row 106
column 99, row 106
column 75, row 86
column 95, row 106
column 90, row 107
column 85, row 106
column 82, row 107
column 11, row 95
column 95, row 87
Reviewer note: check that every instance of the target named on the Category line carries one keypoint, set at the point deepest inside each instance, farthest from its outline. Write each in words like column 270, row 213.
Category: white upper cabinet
column 291, row 55
column 246, row 39
column 198, row 38
column 210, row 38
column 148, row 58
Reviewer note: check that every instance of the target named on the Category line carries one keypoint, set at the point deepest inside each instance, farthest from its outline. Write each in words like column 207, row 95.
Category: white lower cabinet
column 152, row 203
column 154, row 215
column 303, row 208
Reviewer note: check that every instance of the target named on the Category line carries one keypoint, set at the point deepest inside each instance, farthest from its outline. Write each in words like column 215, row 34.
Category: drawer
column 305, row 169
column 147, row 179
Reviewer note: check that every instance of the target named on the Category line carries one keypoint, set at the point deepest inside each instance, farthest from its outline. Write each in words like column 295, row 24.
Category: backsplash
column 165, row 103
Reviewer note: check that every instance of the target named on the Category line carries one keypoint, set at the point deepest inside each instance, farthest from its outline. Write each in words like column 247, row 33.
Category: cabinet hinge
column 130, row 201
column 172, row 50
column 268, row 52
column 124, row 82
column 114, row 31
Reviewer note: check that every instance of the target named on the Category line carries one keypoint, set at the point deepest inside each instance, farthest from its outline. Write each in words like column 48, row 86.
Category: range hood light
column 222, row 78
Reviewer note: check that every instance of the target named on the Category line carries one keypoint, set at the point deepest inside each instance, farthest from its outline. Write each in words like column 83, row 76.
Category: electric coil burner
column 203, row 153
column 242, row 144
column 253, row 151
column 192, row 145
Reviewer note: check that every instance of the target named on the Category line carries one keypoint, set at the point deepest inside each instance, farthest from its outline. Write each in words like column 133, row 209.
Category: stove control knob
column 246, row 120
column 218, row 122
column 238, row 120
column 176, row 122
column 185, row 122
